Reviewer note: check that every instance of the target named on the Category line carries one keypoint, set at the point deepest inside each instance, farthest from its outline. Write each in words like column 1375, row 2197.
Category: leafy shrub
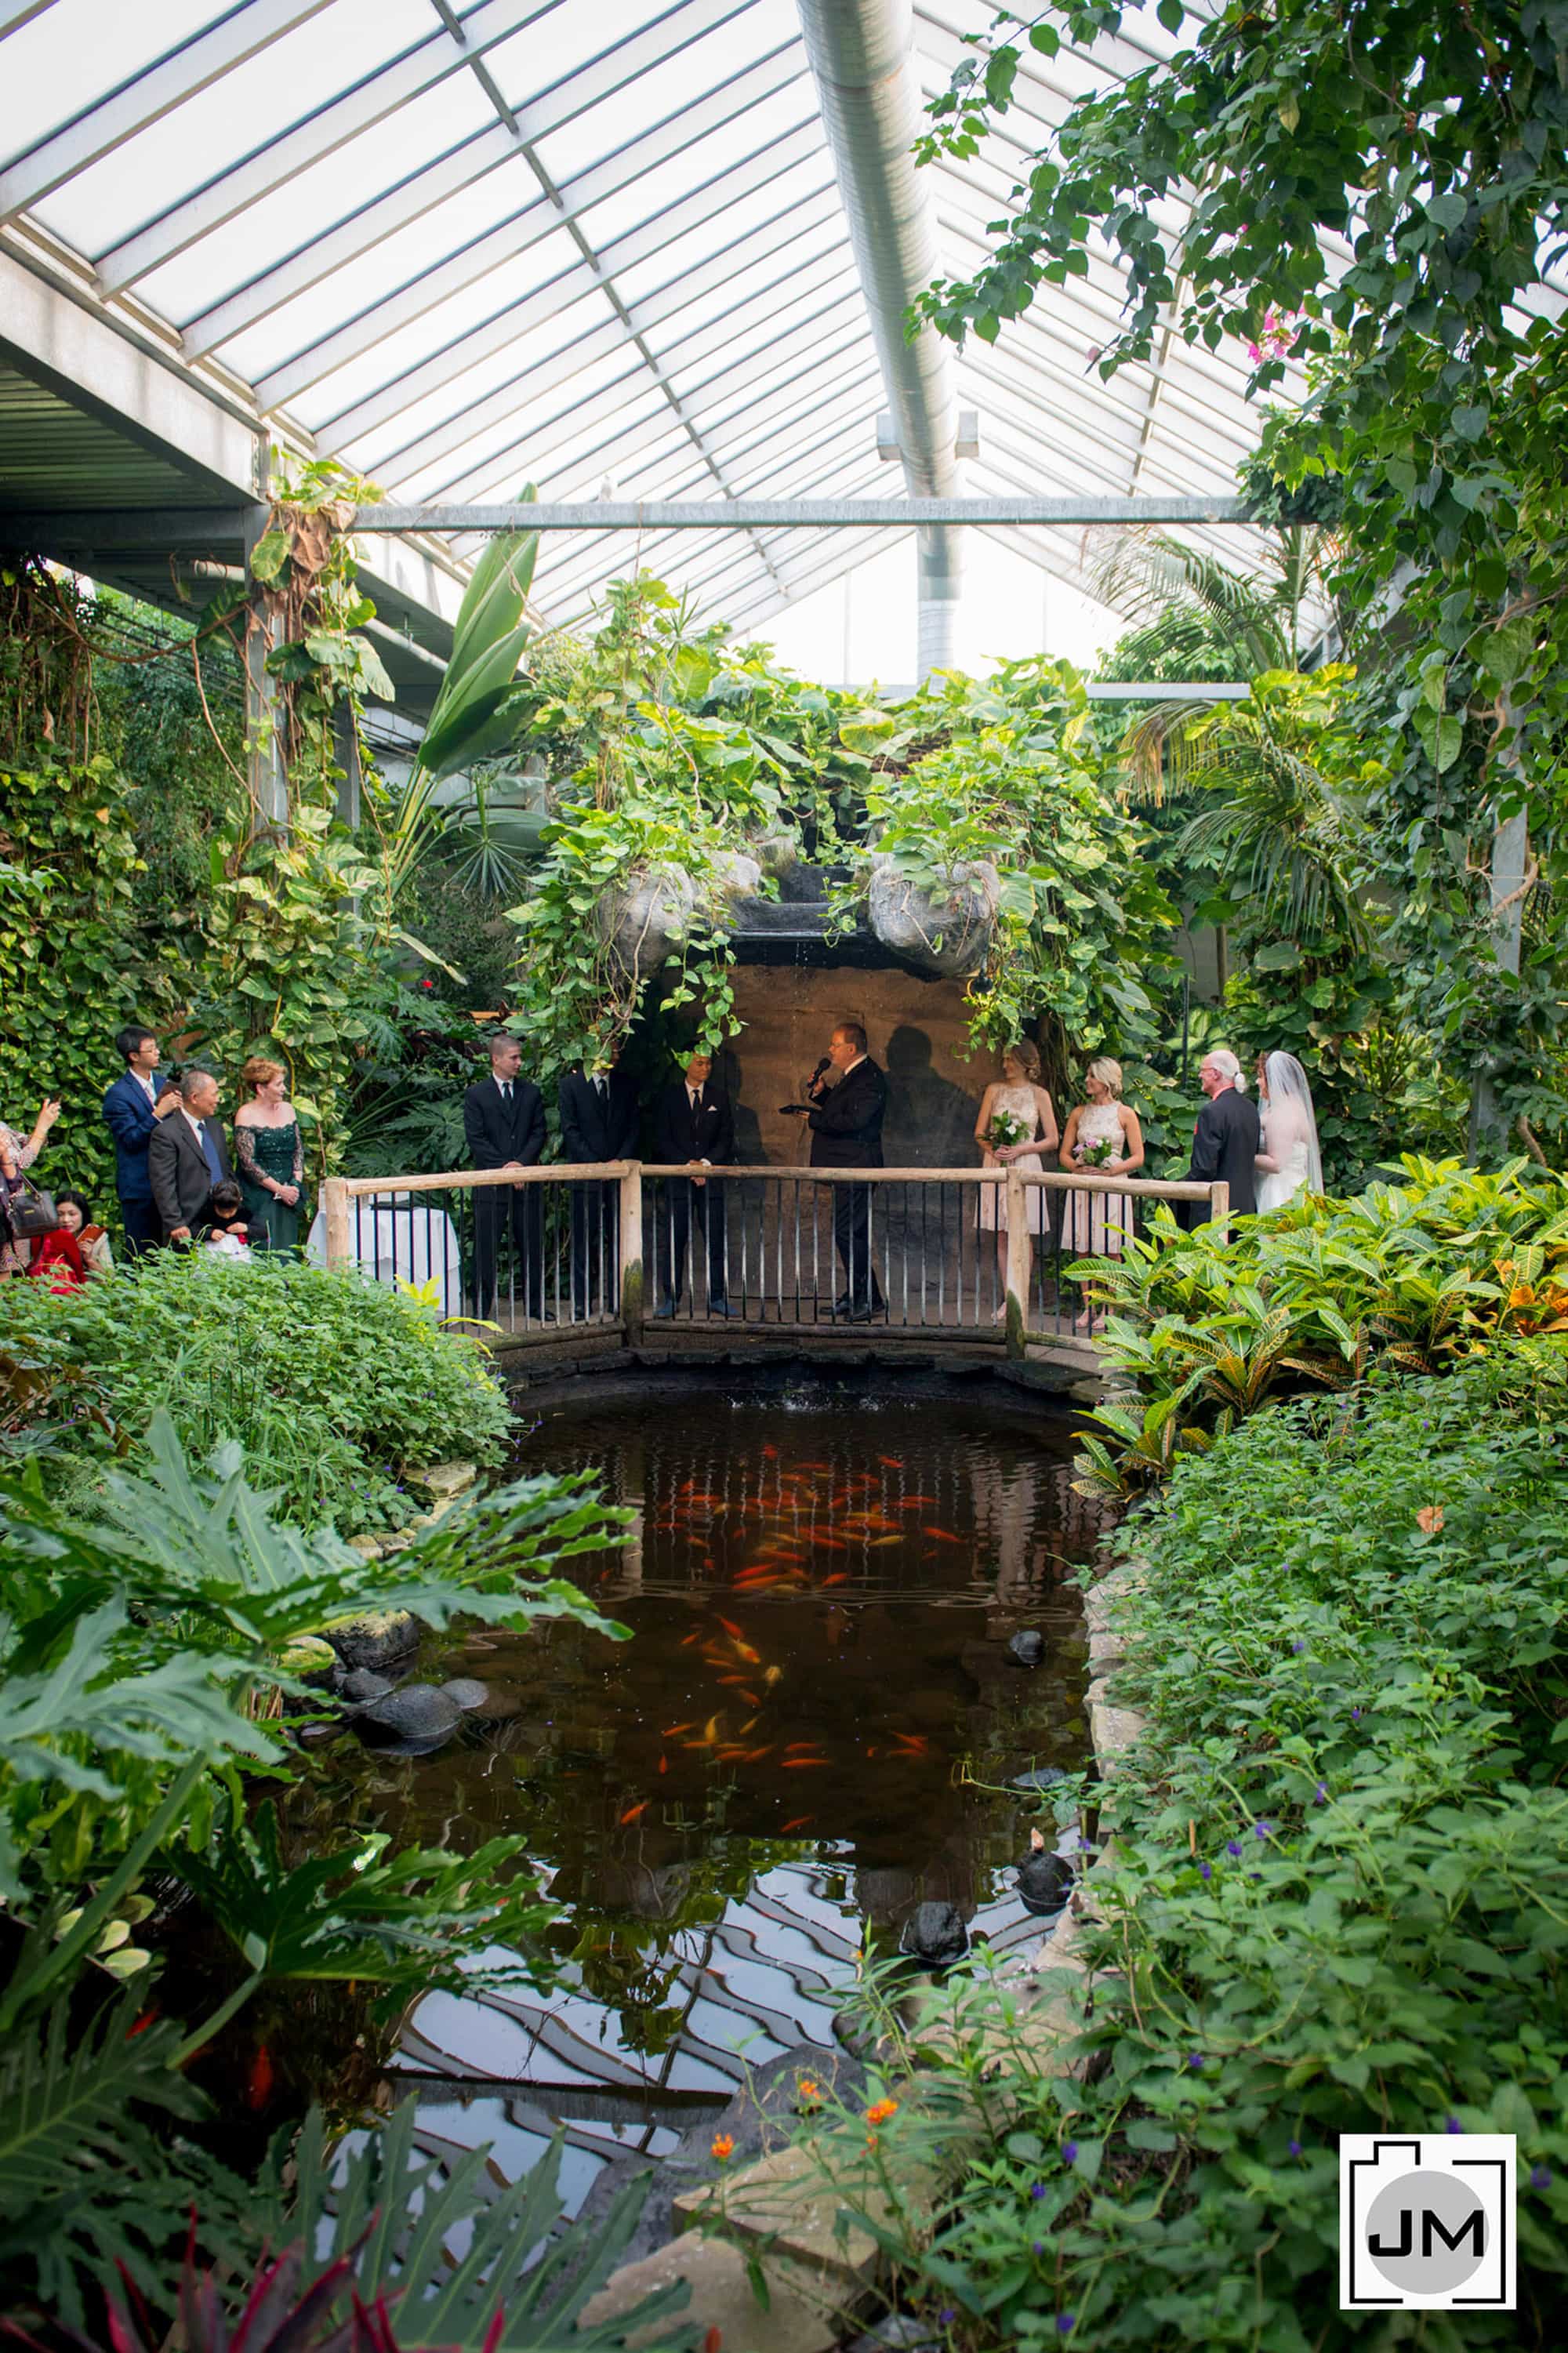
column 332, row 1385
column 1338, row 1894
column 133, row 1653
column 1425, row 1274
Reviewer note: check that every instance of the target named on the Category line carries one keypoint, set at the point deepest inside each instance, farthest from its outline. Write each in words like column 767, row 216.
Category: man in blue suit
column 133, row 1107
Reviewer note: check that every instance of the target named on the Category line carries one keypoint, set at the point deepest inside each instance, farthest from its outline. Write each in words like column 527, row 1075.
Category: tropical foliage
column 142, row 1662
column 334, row 1387
column 1335, row 1894
column 1423, row 1274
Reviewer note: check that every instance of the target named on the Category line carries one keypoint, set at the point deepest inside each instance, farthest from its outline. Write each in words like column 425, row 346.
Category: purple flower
column 1295, row 2148
column 1320, row 1796
column 1355, row 1716
column 1039, row 2247
column 1206, row 1871
column 1069, row 2152
column 947, row 2316
column 1262, row 1830
column 1297, row 1649
column 1452, row 2123
column 1195, row 2060
column 1233, row 1846
column 1541, row 2176
column 1066, row 2323
column 1038, row 2191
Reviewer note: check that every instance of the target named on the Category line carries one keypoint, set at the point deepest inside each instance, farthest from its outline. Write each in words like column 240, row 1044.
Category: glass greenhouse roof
column 596, row 243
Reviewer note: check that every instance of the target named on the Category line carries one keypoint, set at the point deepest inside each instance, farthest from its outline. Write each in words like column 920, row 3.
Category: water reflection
column 786, row 1752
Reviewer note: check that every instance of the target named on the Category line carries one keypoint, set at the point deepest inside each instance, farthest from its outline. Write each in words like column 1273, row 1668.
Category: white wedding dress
column 1276, row 1187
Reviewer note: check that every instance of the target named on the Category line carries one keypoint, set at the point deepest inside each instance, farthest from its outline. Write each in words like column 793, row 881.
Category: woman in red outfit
column 57, row 1260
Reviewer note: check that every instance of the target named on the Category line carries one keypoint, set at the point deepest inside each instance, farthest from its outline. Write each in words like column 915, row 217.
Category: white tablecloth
column 400, row 1236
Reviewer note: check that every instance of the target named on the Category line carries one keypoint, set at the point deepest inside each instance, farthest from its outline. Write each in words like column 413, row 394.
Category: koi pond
column 811, row 1733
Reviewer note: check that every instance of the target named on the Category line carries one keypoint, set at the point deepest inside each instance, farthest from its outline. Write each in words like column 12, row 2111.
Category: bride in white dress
column 1290, row 1162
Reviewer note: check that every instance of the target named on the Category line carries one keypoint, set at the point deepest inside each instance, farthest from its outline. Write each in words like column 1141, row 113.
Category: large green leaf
column 458, row 2253
column 491, row 630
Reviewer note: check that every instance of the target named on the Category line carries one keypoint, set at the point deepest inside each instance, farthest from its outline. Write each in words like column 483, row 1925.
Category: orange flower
column 881, row 2112
column 808, row 2088
column 723, row 2146
column 1429, row 1519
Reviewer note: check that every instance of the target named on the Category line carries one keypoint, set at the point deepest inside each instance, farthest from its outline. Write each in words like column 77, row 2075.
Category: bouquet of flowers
column 1006, row 1127
column 1098, row 1154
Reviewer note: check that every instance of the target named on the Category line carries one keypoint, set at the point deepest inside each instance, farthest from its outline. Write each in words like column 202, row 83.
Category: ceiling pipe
column 862, row 55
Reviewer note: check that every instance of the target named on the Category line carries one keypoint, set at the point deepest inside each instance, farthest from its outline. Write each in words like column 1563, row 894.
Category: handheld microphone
column 810, row 1089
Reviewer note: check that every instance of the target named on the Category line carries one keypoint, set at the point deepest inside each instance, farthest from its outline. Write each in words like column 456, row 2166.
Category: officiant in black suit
column 1226, row 1138
column 847, row 1104
column 503, row 1127
column 598, row 1122
column 694, row 1125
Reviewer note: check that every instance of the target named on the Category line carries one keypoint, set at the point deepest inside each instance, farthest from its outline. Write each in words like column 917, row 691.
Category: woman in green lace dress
column 269, row 1156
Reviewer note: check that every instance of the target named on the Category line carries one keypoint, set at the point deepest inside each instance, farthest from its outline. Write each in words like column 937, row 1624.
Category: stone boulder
column 381, row 1637
column 1045, row 1880
column 468, row 1692
column 1039, row 1776
column 947, row 934
column 935, row 1935
column 360, row 1687
column 1026, row 1647
column 412, row 1720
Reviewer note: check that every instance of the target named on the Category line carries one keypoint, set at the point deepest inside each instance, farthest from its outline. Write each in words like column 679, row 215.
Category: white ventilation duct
column 861, row 53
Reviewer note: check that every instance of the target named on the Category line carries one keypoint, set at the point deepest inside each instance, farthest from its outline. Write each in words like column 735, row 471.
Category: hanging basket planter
column 642, row 921
column 947, row 932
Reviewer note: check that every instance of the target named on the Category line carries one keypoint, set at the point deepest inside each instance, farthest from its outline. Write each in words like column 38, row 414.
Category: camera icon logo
column 1427, row 2223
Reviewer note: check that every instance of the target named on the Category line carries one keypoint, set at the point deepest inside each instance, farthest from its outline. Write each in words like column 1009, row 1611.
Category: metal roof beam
column 355, row 234
column 316, row 135
column 798, row 514
column 14, row 14
column 146, row 96
column 525, row 224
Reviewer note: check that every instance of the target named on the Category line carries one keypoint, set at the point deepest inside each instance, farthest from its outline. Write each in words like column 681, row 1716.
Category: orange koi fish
column 730, row 1628
column 839, row 1577
column 799, row 1823
column 890, row 1461
column 916, row 1502
column 877, row 1542
column 752, row 1696
column 801, row 1764
column 664, row 1764
column 258, row 2086
column 632, row 1812
column 671, row 1731
column 687, row 1639
column 770, row 1454
column 944, row 1536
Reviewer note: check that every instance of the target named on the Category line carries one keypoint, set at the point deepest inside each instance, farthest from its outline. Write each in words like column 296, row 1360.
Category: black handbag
column 30, row 1213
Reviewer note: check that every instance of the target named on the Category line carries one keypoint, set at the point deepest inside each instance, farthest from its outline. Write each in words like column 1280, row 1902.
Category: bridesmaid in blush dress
column 1103, row 1138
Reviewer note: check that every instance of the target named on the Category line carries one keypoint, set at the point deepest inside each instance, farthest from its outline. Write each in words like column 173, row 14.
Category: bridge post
column 336, row 1219
column 1017, row 1308
column 631, row 1252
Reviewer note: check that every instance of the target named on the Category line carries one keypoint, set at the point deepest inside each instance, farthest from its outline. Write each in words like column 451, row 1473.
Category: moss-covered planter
column 946, row 933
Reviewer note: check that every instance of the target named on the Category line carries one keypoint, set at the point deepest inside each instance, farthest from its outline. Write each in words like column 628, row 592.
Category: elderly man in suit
column 693, row 1126
column 133, row 1107
column 187, row 1157
column 599, row 1121
column 845, row 1122
column 1225, row 1139
column 503, row 1127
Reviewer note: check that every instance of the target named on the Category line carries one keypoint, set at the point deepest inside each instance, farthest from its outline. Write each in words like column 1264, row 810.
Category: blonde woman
column 269, row 1156
column 1102, row 1138
column 1020, row 1103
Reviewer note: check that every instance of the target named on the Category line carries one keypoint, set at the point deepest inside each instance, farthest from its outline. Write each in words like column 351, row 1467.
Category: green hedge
column 333, row 1385
column 1339, row 1899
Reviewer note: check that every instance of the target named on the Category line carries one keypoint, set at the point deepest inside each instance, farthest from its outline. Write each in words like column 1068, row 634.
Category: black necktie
column 506, row 1091
column 602, row 1089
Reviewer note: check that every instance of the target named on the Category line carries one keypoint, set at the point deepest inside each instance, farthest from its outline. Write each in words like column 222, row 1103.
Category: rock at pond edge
column 374, row 1637
column 416, row 1718
column 934, row 1935
column 1026, row 1647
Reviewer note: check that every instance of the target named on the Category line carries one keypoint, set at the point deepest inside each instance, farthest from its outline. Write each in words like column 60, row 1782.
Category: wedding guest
column 270, row 1156
column 75, row 1214
column 187, row 1157
column 1016, row 1115
column 133, row 1107
column 1288, row 1158
column 1225, row 1139
column 1102, row 1138
column 17, row 1154
column 230, row 1233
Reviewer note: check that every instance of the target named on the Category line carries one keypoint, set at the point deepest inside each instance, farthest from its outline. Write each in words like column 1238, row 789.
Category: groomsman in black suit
column 503, row 1127
column 598, row 1122
column 694, row 1124
column 845, row 1123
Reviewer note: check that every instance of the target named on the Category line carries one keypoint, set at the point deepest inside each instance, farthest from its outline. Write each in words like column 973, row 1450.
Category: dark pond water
column 788, row 1753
